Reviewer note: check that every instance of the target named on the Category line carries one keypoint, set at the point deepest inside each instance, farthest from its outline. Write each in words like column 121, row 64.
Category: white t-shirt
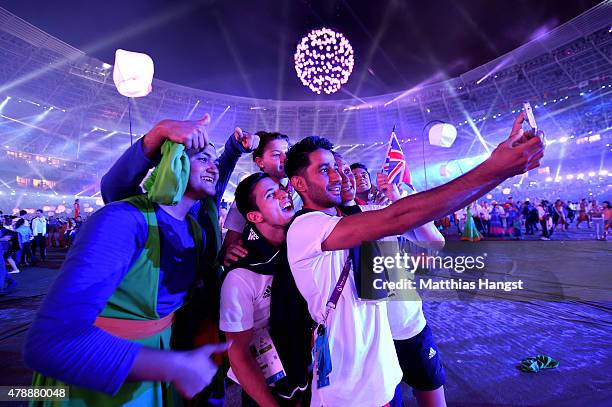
column 245, row 303
column 406, row 317
column 365, row 370
column 234, row 219
column 485, row 213
column 39, row 226
column 236, row 222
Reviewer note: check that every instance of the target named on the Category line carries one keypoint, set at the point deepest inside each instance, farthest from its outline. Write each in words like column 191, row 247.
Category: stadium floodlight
column 595, row 137
column 324, row 60
column 4, row 103
column 133, row 73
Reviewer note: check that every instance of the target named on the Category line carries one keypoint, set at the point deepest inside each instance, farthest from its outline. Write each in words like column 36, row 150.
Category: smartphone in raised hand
column 532, row 127
column 529, row 116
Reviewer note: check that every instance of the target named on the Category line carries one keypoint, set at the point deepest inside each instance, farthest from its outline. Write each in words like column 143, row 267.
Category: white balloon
column 442, row 134
column 133, row 73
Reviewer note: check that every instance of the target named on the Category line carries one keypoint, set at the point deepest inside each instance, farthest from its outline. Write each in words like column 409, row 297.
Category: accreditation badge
column 263, row 350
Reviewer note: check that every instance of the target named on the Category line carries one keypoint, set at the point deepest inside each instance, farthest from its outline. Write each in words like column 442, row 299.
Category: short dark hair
column 298, row 156
column 244, row 193
column 360, row 165
column 39, row 210
column 363, row 167
column 265, row 137
column 23, row 212
column 193, row 151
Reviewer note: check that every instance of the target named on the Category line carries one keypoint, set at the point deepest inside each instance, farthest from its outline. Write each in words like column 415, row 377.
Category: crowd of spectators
column 516, row 219
column 24, row 239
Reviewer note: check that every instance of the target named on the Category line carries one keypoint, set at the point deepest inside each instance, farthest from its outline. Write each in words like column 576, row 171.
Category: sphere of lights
column 324, row 60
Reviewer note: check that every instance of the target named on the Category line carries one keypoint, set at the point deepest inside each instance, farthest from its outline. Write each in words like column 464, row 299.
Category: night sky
column 246, row 47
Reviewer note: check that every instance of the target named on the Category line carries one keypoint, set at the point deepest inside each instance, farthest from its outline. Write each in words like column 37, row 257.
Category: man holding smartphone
column 360, row 366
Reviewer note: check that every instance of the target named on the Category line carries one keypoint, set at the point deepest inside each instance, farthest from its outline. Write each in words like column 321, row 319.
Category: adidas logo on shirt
column 252, row 235
column 432, row 353
column 268, row 292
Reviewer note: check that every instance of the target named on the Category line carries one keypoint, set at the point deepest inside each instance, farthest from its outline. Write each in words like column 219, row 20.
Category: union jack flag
column 395, row 163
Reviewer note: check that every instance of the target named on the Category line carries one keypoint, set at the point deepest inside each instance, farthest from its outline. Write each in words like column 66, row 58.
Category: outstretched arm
column 519, row 153
column 235, row 146
column 426, row 236
column 123, row 179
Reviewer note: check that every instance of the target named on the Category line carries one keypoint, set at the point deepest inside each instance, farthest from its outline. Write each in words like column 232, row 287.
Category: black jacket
column 290, row 322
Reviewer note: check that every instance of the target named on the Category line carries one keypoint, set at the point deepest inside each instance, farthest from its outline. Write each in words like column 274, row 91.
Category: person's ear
column 298, row 183
column 259, row 162
column 254, row 217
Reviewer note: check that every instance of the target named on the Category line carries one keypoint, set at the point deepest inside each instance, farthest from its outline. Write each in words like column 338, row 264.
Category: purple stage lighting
column 324, row 60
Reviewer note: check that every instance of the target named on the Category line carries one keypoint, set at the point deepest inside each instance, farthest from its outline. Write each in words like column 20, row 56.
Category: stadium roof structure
column 59, row 103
